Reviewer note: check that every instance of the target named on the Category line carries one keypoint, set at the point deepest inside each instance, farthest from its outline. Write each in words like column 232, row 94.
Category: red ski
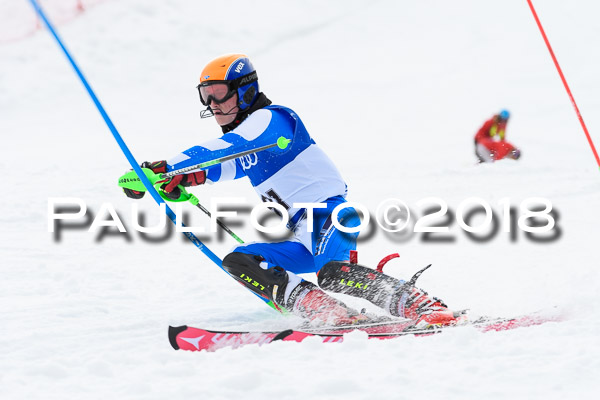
column 196, row 339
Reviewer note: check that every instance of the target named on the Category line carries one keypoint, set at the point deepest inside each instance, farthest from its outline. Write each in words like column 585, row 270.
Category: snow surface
column 393, row 91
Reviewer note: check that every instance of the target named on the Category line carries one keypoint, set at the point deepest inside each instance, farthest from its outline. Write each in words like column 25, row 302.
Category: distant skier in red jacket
column 490, row 140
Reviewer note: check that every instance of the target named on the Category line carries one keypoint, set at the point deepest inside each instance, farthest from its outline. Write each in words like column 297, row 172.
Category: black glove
column 133, row 194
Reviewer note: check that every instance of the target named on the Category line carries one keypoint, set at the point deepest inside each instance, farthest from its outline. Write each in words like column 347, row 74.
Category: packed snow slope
column 394, row 92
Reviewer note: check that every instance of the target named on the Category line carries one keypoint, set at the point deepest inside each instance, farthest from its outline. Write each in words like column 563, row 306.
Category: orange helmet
column 237, row 72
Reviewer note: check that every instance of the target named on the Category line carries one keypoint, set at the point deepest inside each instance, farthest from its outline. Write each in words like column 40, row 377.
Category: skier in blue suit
column 302, row 173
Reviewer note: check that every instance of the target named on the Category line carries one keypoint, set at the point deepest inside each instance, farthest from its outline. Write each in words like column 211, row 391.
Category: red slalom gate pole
column 564, row 81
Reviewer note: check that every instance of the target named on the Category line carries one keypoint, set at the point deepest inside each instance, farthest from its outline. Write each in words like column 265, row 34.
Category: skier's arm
column 484, row 131
column 255, row 135
column 226, row 171
column 257, row 131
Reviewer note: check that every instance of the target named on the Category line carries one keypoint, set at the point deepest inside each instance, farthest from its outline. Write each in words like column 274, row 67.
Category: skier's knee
column 234, row 262
column 256, row 274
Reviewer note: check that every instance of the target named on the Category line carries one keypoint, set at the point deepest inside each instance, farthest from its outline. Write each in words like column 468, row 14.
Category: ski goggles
column 220, row 91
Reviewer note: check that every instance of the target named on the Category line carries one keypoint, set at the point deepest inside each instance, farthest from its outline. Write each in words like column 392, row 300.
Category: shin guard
column 253, row 272
column 358, row 281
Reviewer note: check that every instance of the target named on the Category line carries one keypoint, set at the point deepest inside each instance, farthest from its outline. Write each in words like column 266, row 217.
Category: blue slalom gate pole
column 134, row 164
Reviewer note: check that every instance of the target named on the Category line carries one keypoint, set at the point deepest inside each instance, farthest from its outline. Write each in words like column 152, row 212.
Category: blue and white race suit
column 301, row 173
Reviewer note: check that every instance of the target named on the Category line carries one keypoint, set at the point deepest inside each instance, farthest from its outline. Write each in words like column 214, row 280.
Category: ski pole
column 221, row 224
column 282, row 143
column 194, row 200
column 131, row 180
column 134, row 164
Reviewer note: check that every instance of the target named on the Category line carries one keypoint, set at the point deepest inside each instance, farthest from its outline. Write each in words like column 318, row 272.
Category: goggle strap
column 244, row 80
column 232, row 85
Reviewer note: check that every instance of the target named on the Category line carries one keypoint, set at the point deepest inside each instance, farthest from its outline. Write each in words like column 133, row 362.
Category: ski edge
column 240, row 338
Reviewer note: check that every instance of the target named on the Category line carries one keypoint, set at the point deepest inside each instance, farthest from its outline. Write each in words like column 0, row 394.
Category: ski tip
column 173, row 332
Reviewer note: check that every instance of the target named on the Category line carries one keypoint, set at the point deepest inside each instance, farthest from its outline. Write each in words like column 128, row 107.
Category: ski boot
column 426, row 311
column 288, row 292
column 399, row 298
